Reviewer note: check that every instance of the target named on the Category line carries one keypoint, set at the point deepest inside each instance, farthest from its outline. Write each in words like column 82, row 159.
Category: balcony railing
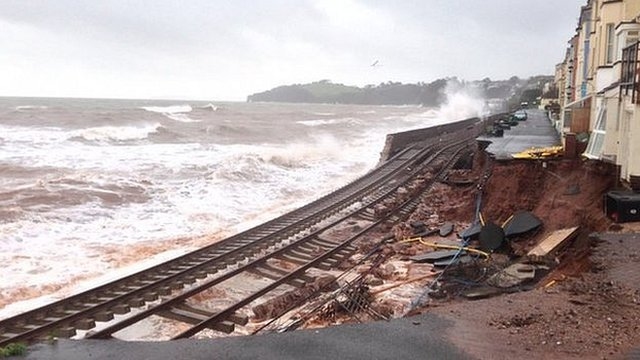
column 630, row 76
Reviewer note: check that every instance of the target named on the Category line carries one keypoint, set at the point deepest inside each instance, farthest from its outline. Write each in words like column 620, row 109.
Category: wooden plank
column 553, row 242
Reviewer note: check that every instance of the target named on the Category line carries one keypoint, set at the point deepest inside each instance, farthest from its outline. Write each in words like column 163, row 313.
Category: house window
column 610, row 43
column 630, row 73
column 596, row 140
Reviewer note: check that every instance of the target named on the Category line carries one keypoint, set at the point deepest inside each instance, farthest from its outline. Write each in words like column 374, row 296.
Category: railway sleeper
column 192, row 318
column 151, row 296
column 312, row 249
column 325, row 244
column 120, row 309
column 164, row 291
column 299, row 253
column 237, row 318
column 103, row 316
column 84, row 324
column 189, row 279
column 282, row 272
column 136, row 302
column 298, row 283
column 327, row 264
column 176, row 285
column 291, row 259
column 200, row 274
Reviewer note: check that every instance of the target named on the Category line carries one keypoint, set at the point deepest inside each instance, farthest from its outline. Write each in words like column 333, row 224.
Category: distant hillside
column 390, row 93
column 395, row 93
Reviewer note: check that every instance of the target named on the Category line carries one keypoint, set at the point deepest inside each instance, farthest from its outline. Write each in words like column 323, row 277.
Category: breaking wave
column 210, row 106
column 168, row 109
column 174, row 112
column 115, row 133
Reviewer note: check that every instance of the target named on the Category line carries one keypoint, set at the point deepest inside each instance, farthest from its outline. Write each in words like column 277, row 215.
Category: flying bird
column 375, row 63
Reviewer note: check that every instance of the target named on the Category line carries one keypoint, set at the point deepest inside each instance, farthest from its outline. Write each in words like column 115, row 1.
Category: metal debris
column 520, row 223
column 491, row 237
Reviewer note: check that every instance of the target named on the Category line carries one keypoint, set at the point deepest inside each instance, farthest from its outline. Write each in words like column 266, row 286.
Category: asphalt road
column 536, row 131
column 419, row 337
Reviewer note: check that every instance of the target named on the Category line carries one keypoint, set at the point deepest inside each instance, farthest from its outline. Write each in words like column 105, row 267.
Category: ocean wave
column 115, row 133
column 249, row 167
column 173, row 112
column 180, row 117
column 210, row 106
column 172, row 109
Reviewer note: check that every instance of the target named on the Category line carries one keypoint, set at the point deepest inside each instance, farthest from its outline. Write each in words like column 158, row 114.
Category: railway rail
column 295, row 237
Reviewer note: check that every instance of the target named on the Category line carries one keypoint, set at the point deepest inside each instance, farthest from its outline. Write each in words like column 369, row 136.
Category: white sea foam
column 320, row 122
column 117, row 133
column 210, row 106
column 462, row 102
column 173, row 109
column 174, row 112
column 30, row 107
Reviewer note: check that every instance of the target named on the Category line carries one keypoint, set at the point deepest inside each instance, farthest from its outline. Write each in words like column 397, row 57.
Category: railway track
column 296, row 237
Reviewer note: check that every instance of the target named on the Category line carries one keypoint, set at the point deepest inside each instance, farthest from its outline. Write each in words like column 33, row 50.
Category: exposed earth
column 584, row 301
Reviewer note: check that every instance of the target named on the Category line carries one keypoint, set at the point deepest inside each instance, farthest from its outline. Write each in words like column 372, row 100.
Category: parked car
column 520, row 115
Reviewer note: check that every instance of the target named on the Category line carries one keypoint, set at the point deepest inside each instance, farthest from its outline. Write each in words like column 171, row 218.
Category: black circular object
column 491, row 237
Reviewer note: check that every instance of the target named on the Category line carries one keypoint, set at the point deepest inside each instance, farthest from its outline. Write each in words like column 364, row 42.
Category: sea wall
column 396, row 142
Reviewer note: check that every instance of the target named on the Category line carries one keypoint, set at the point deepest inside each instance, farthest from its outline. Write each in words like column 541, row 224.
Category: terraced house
column 599, row 86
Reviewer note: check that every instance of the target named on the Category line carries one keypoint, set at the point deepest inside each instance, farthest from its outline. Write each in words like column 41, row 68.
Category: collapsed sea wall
column 398, row 141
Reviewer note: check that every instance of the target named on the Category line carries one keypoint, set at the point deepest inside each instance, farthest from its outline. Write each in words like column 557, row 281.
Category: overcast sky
column 226, row 50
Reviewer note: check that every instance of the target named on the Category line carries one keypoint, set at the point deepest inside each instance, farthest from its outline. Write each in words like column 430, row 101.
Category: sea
column 93, row 189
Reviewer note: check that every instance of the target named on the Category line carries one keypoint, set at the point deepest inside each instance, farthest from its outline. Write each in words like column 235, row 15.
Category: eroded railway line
column 295, row 237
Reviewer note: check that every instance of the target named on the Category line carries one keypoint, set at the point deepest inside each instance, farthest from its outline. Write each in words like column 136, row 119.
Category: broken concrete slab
column 471, row 232
column 552, row 243
column 434, row 256
column 446, row 229
column 513, row 275
column 446, row 242
column 426, row 233
column 520, row 223
column 463, row 259
column 418, row 226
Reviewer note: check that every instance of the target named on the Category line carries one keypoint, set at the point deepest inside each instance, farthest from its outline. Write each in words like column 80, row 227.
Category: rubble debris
column 278, row 305
column 460, row 178
column 513, row 275
column 405, row 282
column 491, row 237
column 446, row 229
column 521, row 222
column 553, row 242
column 481, row 292
column 418, row 226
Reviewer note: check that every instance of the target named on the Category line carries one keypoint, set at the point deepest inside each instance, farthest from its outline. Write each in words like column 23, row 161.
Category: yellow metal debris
column 539, row 153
